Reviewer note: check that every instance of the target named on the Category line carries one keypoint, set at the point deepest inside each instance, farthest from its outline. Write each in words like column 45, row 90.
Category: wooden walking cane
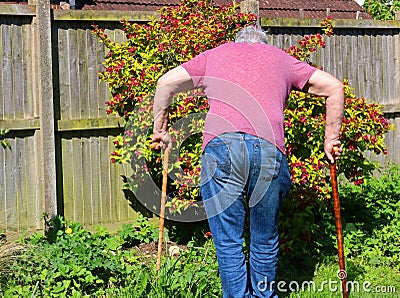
column 162, row 207
column 338, row 222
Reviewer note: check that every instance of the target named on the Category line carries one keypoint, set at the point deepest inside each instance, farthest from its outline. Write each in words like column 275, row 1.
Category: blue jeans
column 240, row 172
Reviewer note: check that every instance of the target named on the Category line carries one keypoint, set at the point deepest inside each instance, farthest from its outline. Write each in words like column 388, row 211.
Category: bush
column 372, row 219
column 382, row 9
column 132, row 69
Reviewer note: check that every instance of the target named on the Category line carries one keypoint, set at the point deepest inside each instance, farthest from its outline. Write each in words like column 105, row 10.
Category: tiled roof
column 314, row 9
column 338, row 9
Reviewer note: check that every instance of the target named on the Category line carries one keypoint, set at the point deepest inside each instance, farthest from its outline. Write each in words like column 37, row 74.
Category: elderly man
column 244, row 166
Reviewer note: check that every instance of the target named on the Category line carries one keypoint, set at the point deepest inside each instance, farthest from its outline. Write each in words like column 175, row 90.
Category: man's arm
column 323, row 84
column 175, row 80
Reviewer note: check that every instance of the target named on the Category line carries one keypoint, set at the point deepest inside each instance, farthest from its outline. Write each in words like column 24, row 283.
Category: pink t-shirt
column 247, row 86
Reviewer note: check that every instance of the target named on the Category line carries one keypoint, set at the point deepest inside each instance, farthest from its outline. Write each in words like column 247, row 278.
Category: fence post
column 250, row 6
column 46, row 108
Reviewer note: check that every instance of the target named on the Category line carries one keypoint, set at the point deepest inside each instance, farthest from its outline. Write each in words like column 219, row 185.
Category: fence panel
column 20, row 192
column 88, row 185
column 92, row 186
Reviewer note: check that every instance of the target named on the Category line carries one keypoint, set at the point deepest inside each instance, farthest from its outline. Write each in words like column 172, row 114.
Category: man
column 243, row 164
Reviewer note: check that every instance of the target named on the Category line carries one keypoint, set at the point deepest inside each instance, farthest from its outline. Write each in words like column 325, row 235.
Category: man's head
column 252, row 34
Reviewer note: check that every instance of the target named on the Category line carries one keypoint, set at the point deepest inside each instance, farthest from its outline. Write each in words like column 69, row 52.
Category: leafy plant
column 142, row 232
column 79, row 263
column 70, row 262
column 382, row 9
column 74, row 262
column 372, row 219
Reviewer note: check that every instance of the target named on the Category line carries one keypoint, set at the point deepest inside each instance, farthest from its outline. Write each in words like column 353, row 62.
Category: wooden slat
column 396, row 140
column 10, row 190
column 96, row 172
column 20, row 124
column 381, row 52
column 293, row 23
column 77, row 176
column 7, row 90
column 391, row 108
column 326, row 55
column 389, row 86
column 28, row 101
column 20, row 195
column 30, row 187
column 360, row 65
column 106, row 199
column 64, row 74
column 377, row 68
column 119, row 36
column 96, row 104
column 103, row 93
column 90, row 124
column 17, row 72
column 86, row 197
column 35, row 70
column 97, row 15
column 116, row 208
column 392, row 139
column 83, row 74
column 17, row 9
column 68, row 180
column 353, row 61
column 396, row 52
column 38, row 189
column 74, row 74
column 369, row 83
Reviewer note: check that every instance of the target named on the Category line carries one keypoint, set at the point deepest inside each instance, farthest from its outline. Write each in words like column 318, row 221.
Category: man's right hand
column 160, row 140
column 332, row 149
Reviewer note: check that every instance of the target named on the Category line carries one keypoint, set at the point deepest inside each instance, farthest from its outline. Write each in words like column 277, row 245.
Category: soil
column 151, row 249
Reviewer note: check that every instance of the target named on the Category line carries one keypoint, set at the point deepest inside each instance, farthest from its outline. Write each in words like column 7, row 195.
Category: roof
column 314, row 9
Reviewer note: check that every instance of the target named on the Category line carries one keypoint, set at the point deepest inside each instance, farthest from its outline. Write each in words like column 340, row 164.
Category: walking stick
column 338, row 222
column 162, row 207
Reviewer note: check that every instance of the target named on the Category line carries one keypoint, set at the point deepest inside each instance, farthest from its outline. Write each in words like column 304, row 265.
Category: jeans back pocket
column 216, row 162
column 268, row 161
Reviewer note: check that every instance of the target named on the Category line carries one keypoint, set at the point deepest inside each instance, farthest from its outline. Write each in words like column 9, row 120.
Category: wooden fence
column 86, row 187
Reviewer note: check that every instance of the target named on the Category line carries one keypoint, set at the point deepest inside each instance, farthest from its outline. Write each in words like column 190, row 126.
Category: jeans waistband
column 241, row 136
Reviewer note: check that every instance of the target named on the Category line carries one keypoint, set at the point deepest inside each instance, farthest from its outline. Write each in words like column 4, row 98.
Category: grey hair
column 252, row 34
